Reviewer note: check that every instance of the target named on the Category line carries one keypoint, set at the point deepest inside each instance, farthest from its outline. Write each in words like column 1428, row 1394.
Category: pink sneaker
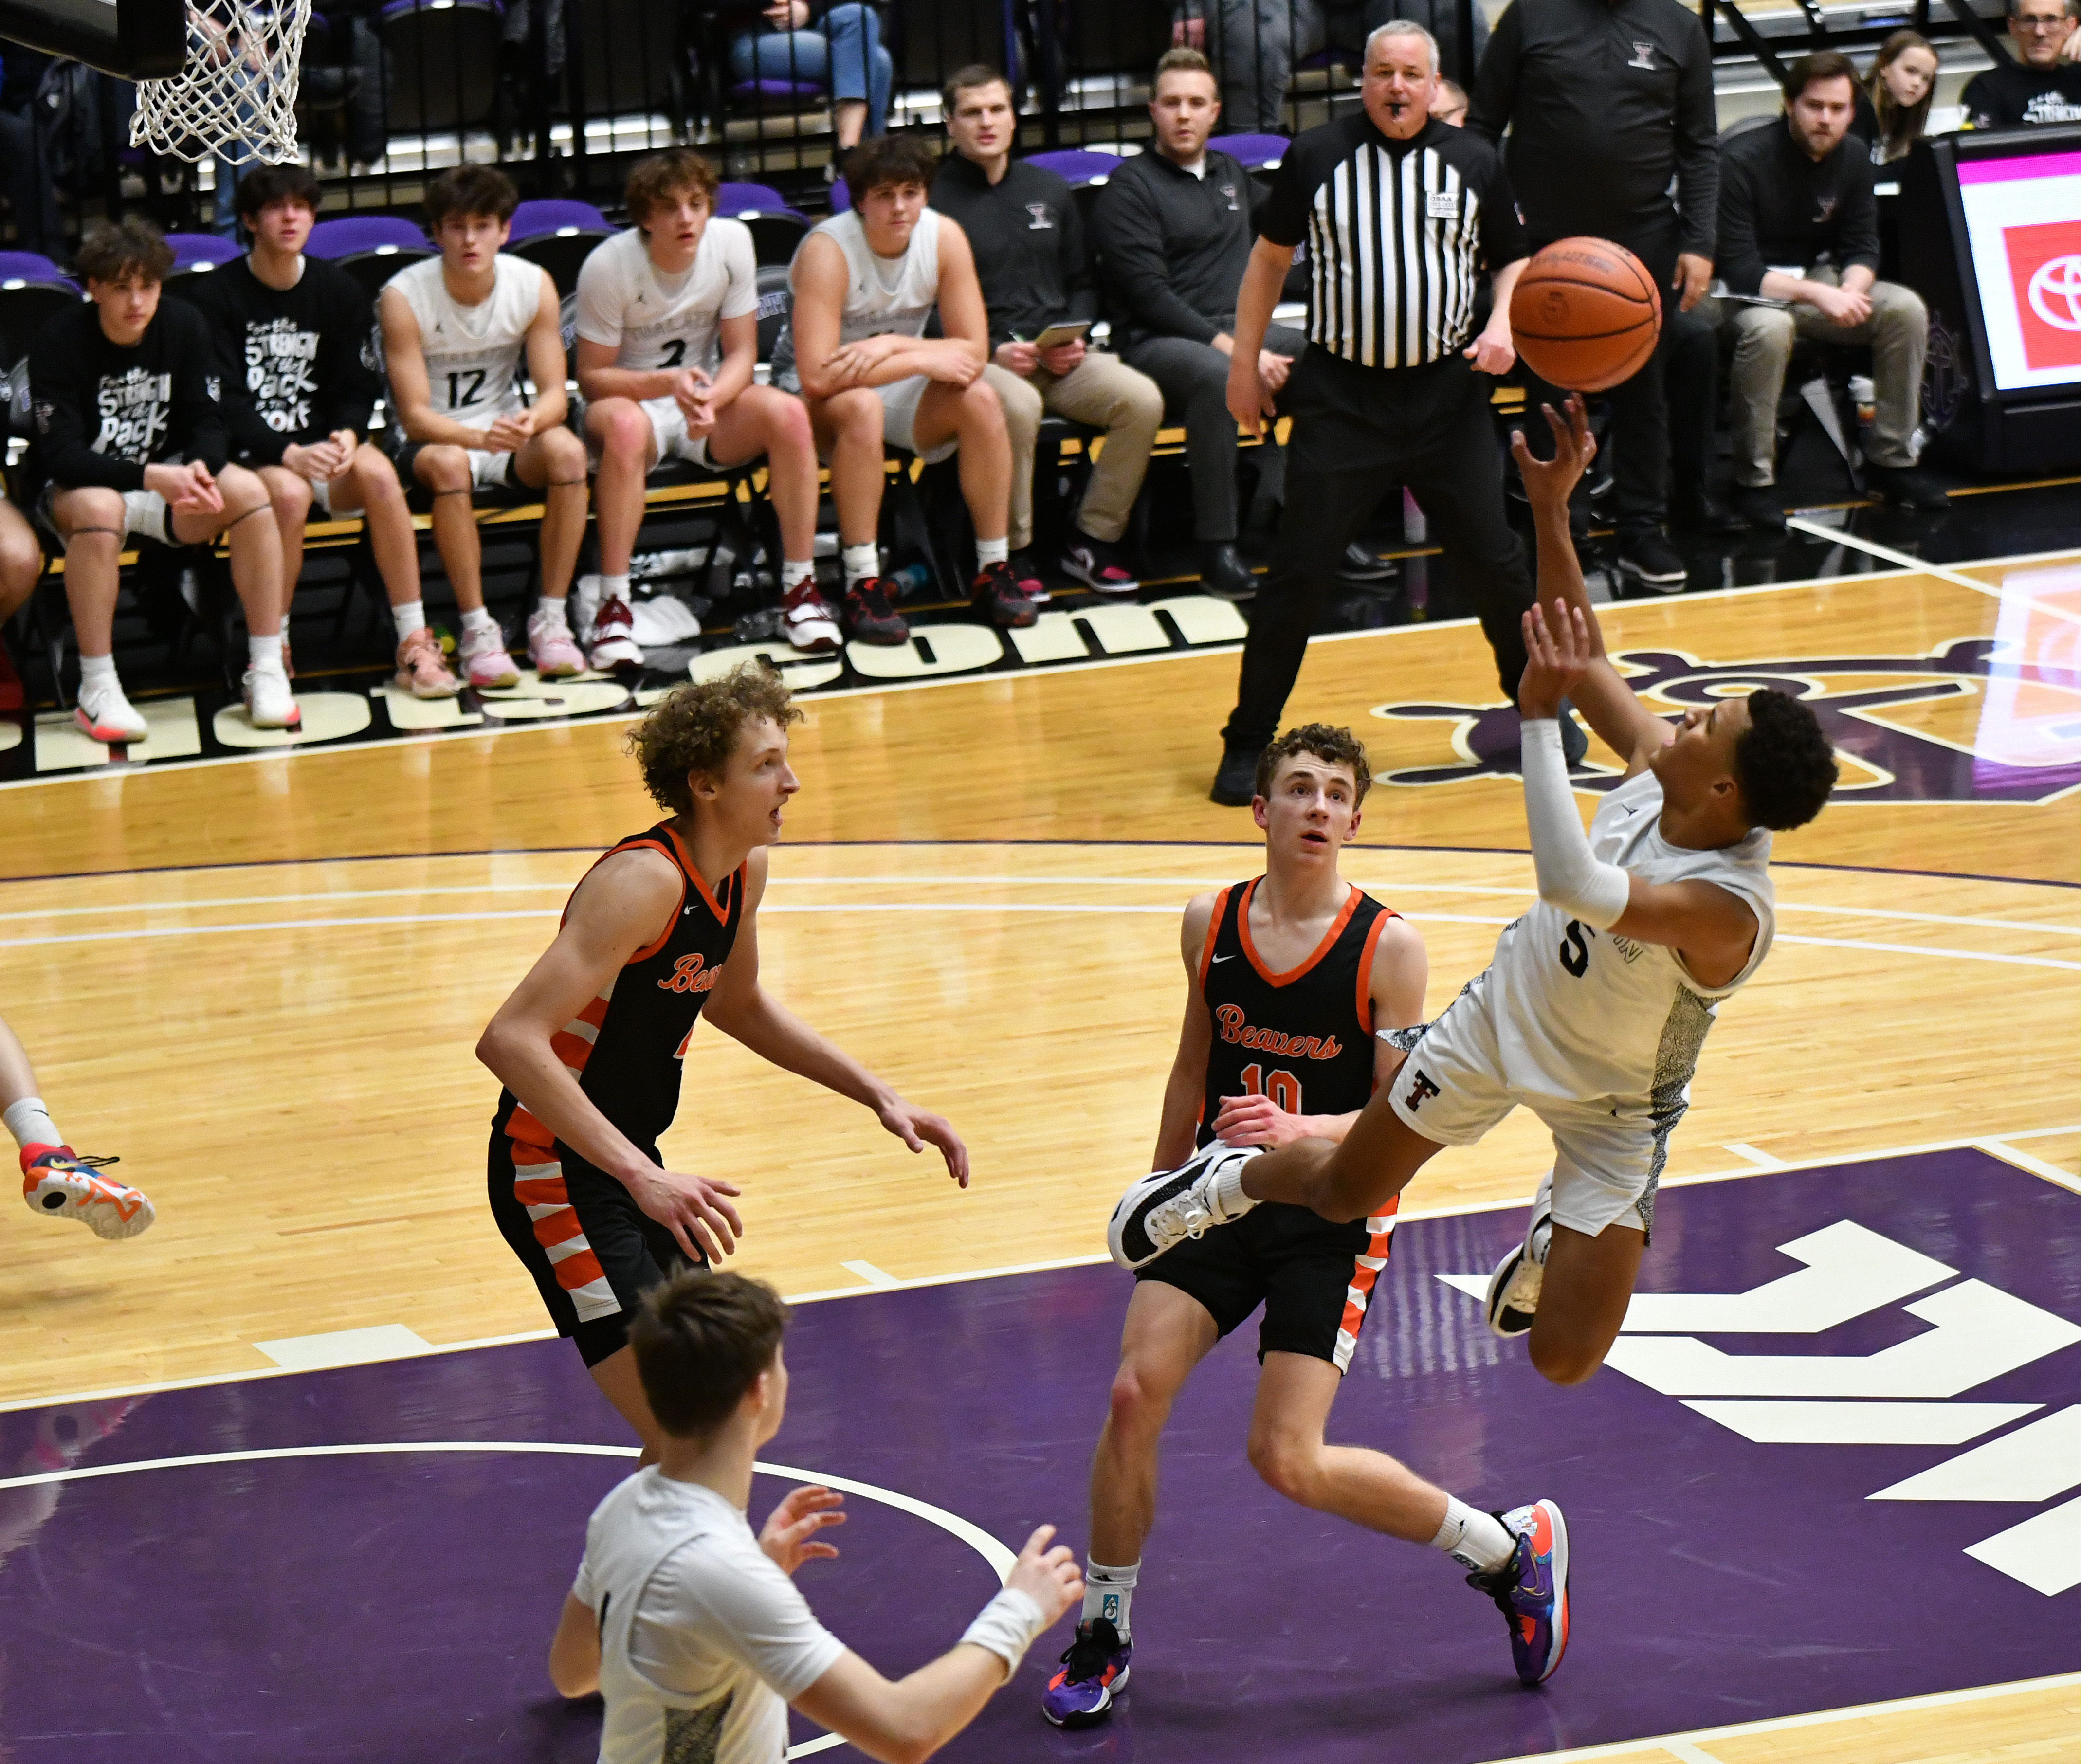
column 550, row 647
column 484, row 661
column 420, row 669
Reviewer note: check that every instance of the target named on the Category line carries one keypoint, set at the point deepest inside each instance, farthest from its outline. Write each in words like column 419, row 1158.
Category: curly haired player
column 591, row 1045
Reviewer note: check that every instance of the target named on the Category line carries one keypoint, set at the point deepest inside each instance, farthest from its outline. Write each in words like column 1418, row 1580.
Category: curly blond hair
column 695, row 729
column 1319, row 740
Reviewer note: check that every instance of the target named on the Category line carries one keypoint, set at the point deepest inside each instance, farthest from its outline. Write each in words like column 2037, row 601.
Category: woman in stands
column 1893, row 108
column 844, row 53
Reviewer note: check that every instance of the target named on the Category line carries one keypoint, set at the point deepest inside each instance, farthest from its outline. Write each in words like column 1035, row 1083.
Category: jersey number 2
column 1576, row 949
column 1282, row 1087
column 677, row 349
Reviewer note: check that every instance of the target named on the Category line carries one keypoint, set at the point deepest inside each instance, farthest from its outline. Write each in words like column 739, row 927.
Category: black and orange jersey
column 1303, row 1038
column 628, row 1046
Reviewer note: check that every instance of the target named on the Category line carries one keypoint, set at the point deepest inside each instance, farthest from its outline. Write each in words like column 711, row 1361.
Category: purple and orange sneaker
column 1093, row 1672
column 1531, row 1589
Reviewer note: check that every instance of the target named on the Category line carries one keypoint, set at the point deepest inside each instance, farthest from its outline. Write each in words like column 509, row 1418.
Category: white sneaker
column 812, row 627
column 269, row 703
column 1161, row 1210
column 583, row 608
column 106, row 715
column 61, row 1184
column 485, row 661
column 1513, row 1294
column 612, row 644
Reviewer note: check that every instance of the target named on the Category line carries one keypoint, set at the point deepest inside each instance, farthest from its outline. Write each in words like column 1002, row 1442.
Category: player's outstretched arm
column 747, row 1012
column 617, row 910
column 1621, row 721
column 1185, row 1090
column 906, row 1722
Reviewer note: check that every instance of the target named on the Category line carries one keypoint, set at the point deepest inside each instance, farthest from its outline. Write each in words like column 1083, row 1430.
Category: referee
column 1391, row 389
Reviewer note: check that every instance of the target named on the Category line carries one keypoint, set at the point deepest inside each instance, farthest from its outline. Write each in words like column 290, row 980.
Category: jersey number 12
column 1283, row 1087
column 457, row 396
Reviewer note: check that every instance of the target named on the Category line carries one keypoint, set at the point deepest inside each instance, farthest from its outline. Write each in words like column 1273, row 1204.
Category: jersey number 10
column 1283, row 1087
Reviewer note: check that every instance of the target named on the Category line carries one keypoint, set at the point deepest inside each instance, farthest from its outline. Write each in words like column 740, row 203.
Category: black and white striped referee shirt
column 1395, row 230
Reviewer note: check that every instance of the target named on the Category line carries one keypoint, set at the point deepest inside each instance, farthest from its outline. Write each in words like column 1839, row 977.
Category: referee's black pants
column 1358, row 432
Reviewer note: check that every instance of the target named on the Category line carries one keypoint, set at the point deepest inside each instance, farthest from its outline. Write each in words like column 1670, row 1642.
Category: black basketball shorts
column 1313, row 1278
column 594, row 1252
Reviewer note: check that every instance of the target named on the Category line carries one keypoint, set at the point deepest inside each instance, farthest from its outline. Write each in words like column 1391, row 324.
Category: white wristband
column 1570, row 876
column 1007, row 1625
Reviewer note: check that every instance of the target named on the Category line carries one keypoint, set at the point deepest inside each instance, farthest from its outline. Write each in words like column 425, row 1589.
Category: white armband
column 1007, row 1625
column 1571, row 877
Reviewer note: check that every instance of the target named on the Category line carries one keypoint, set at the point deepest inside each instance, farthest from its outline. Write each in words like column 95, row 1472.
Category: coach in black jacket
column 1606, row 102
column 1173, row 227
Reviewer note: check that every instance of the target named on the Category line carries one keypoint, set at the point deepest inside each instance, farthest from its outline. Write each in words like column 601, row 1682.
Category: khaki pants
column 1103, row 392
column 1898, row 332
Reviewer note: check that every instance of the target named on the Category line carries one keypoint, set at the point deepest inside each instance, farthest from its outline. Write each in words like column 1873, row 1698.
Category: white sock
column 478, row 619
column 264, row 653
column 992, row 551
column 410, row 617
column 614, row 587
column 795, row 571
column 860, row 561
column 552, row 612
column 98, row 670
column 1476, row 1540
column 1230, row 1201
column 31, row 1123
column 1108, row 1592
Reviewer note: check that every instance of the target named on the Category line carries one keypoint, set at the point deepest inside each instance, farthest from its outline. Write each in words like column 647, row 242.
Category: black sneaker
column 996, row 595
column 1646, row 554
column 871, row 616
column 1097, row 565
column 1235, row 782
column 1758, row 504
column 1027, row 573
column 1359, row 564
column 1907, row 486
column 1224, row 574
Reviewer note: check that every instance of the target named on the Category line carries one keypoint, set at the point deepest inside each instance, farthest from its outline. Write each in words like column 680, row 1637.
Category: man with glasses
column 2043, row 84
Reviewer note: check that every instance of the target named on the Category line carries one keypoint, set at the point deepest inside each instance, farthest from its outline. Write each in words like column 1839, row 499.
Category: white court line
column 993, row 907
column 1761, row 1160
column 866, row 1270
column 2037, row 1166
column 1943, row 572
column 1689, row 1753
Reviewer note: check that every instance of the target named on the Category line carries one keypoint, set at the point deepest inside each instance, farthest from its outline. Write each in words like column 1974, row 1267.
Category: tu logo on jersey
column 1643, row 55
column 1975, row 719
column 1040, row 221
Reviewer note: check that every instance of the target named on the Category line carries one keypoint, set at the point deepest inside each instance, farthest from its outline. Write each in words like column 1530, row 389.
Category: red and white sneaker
column 106, row 715
column 269, row 703
column 59, row 1184
column 421, row 671
column 551, row 649
column 612, row 644
column 485, row 662
column 813, row 627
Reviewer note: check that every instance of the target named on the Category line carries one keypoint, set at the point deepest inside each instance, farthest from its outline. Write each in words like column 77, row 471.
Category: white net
column 236, row 97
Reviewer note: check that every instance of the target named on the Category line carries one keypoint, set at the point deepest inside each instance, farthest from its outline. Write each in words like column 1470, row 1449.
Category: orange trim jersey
column 626, row 1048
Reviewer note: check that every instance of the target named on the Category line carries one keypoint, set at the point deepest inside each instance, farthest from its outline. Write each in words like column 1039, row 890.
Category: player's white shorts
column 899, row 417
column 1608, row 1158
column 668, row 432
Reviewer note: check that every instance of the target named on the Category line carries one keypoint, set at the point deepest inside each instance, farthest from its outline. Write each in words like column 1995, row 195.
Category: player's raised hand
column 693, row 1208
column 1557, row 654
column 917, row 1127
column 1050, row 1577
column 1257, row 1120
column 789, row 1533
column 1548, row 482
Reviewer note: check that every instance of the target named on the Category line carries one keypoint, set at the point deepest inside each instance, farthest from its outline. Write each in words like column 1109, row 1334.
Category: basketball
column 1585, row 314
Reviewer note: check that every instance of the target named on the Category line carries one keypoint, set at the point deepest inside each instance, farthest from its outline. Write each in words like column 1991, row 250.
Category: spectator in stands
column 667, row 337
column 846, row 54
column 866, row 283
column 129, row 443
column 454, row 330
column 21, row 566
column 2043, row 84
column 31, row 193
column 1174, row 232
column 1027, row 237
column 293, row 341
column 1257, row 43
column 1448, row 104
column 1608, row 102
column 1893, row 104
column 1799, row 193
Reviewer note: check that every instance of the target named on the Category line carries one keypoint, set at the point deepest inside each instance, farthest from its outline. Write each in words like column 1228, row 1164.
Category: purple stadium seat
column 1076, row 167
column 738, row 199
column 18, row 268
column 1254, row 153
column 776, row 91
column 363, row 233
column 200, row 250
column 531, row 220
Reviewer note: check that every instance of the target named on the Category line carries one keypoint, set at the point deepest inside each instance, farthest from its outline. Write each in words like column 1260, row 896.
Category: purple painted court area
column 397, row 1607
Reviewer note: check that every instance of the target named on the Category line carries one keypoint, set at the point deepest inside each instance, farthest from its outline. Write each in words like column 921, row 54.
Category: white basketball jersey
column 473, row 353
column 885, row 295
column 1591, row 1016
column 654, row 325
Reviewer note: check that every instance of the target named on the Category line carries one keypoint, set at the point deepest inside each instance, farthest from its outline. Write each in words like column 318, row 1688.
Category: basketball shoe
column 57, row 1182
column 485, row 661
column 1163, row 1208
column 551, row 650
column 1513, row 1295
column 1531, row 1589
column 1094, row 1673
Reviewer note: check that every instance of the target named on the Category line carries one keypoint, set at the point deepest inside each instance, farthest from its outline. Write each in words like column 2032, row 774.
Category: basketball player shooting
column 591, row 1045
column 1596, row 1004
column 1296, row 982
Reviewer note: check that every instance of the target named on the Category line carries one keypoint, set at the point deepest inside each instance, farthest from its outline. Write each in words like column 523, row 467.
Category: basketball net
column 236, row 99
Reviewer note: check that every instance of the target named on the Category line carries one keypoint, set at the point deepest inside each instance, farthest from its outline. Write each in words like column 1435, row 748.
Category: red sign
column 2044, row 270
